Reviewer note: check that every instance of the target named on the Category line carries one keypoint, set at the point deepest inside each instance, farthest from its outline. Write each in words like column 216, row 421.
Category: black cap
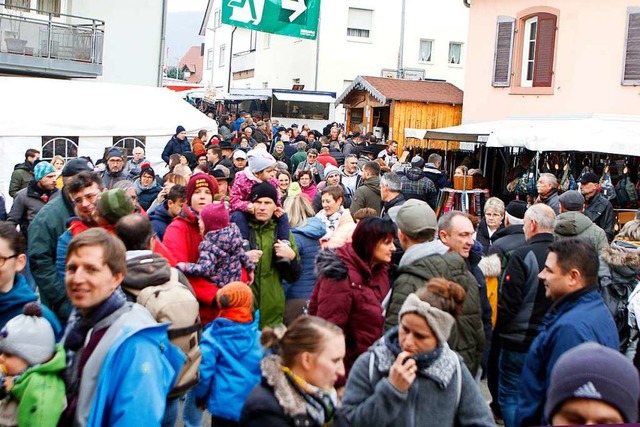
column 295, row 125
column 517, row 209
column 589, row 177
column 218, row 174
column 75, row 166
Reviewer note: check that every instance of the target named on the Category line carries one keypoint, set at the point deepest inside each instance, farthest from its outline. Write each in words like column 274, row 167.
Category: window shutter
column 502, row 56
column 631, row 70
column 545, row 47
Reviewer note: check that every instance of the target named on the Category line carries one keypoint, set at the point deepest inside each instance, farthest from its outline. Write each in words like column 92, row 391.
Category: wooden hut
column 387, row 106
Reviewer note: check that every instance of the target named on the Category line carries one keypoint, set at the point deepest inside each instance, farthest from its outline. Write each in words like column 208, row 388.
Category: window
column 209, row 58
column 426, row 47
column 631, row 67
column 11, row 4
column 253, row 40
column 533, row 50
column 52, row 6
column 455, row 52
column 217, row 18
column 359, row 22
column 222, row 56
column 127, row 143
column 67, row 147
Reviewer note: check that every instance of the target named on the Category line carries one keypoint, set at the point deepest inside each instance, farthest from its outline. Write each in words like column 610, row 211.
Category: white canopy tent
column 90, row 112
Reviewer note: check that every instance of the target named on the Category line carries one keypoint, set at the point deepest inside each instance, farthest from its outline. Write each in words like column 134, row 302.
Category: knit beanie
column 330, row 170
column 260, row 160
column 235, row 301
column 214, row 216
column 180, row 129
column 264, row 189
column 200, row 180
column 41, row 170
column 114, row 152
column 29, row 336
column 114, row 204
column 592, row 371
column 439, row 321
column 148, row 170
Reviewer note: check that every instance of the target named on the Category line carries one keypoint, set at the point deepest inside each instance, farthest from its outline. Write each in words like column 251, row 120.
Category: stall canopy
column 37, row 106
column 615, row 134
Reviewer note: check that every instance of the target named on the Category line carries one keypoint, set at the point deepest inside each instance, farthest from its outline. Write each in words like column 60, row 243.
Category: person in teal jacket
column 231, row 355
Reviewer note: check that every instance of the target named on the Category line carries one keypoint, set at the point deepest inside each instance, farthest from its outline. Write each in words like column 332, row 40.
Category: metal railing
column 38, row 33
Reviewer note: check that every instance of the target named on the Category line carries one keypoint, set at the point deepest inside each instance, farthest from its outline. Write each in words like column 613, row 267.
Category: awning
column 304, row 97
column 473, row 132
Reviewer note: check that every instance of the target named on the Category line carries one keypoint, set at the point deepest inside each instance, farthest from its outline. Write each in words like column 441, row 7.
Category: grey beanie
column 29, row 336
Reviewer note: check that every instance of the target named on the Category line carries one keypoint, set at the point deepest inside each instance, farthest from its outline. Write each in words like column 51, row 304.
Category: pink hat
column 215, row 216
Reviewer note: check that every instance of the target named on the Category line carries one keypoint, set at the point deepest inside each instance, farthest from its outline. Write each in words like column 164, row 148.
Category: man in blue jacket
column 578, row 315
column 178, row 144
column 121, row 364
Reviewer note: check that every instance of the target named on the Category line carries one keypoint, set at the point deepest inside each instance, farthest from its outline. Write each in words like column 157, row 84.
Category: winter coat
column 349, row 293
column 467, row 338
column 304, row 165
column 307, row 238
column 40, row 392
column 367, row 196
column 146, row 195
column 600, row 211
column 417, row 186
column 175, row 146
column 268, row 295
column 310, row 191
column 12, row 303
column 343, row 230
column 132, row 168
column 241, row 189
column 221, row 257
column 491, row 268
column 230, row 367
column 396, row 201
column 522, row 303
column 197, row 146
column 21, row 176
column 109, row 179
column 160, row 219
column 370, row 399
column 440, row 179
column 352, row 182
column 578, row 317
column 326, row 159
column 45, row 229
column 275, row 402
column 182, row 237
column 575, row 224
column 552, row 201
column 3, row 208
column 133, row 367
column 505, row 240
column 296, row 158
column 27, row 203
column 482, row 235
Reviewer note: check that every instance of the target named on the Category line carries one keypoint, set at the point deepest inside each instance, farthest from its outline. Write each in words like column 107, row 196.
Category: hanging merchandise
column 567, row 181
column 626, row 190
column 471, row 201
column 606, row 186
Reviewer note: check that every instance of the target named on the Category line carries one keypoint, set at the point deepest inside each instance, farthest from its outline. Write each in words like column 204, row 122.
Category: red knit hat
column 200, row 180
column 235, row 301
column 214, row 216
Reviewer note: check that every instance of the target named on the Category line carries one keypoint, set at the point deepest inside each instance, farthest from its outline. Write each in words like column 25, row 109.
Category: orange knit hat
column 235, row 301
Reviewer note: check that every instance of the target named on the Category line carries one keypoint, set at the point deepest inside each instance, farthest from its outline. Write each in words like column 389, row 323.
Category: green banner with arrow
column 294, row 18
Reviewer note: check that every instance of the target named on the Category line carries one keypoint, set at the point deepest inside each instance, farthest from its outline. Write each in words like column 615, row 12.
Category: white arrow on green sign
column 294, row 18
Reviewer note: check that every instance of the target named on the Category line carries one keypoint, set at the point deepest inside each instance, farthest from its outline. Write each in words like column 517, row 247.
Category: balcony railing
column 41, row 34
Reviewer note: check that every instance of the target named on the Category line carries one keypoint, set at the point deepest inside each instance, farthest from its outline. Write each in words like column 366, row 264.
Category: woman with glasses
column 311, row 164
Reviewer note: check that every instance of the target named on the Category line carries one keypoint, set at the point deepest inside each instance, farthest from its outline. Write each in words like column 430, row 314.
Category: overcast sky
column 187, row 5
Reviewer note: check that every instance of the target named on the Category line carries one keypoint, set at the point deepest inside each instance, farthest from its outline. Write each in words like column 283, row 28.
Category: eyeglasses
column 4, row 259
column 91, row 198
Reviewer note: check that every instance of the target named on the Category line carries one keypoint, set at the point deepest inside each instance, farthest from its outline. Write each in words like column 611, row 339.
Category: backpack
column 175, row 303
column 615, row 293
column 606, row 186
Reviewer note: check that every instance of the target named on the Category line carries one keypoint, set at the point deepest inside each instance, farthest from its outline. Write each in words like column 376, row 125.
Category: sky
column 183, row 24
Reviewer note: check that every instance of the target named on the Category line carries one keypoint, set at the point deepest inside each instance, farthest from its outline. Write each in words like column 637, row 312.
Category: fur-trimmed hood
column 491, row 266
column 291, row 402
column 341, row 262
column 622, row 253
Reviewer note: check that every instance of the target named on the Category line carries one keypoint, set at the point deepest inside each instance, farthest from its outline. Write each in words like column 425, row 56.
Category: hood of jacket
column 54, row 366
column 507, row 231
column 421, row 267
column 337, row 264
column 372, row 183
column 12, row 301
column 357, row 173
column 188, row 215
column 146, row 270
column 24, row 166
column 239, row 338
column 160, row 213
column 414, row 174
column 140, row 188
column 313, row 229
column 622, row 254
column 422, row 250
column 572, row 223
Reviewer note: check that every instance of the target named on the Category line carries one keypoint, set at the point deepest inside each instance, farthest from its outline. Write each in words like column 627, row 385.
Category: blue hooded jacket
column 308, row 243
column 12, row 303
column 160, row 219
column 230, row 367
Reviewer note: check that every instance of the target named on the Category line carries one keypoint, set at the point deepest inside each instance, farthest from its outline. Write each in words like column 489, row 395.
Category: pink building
column 552, row 58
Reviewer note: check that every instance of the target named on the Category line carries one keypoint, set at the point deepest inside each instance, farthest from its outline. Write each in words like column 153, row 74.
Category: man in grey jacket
column 573, row 223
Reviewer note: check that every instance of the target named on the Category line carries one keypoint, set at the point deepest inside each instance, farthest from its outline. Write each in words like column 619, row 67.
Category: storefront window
column 301, row 110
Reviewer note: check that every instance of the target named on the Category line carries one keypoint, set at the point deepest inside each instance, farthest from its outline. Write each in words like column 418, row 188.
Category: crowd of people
column 289, row 276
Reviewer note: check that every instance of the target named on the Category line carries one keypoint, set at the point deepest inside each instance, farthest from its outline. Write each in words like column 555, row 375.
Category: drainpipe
column 230, row 58
column 163, row 38
column 401, row 49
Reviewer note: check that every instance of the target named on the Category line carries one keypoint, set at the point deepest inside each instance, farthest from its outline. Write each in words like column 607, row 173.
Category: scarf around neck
column 321, row 405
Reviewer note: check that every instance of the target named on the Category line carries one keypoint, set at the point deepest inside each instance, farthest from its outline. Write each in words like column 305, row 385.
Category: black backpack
column 615, row 292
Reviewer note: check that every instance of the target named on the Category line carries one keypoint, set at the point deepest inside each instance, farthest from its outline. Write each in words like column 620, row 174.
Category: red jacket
column 349, row 293
column 327, row 158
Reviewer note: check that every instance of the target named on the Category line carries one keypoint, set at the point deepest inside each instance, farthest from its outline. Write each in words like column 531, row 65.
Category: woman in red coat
column 353, row 280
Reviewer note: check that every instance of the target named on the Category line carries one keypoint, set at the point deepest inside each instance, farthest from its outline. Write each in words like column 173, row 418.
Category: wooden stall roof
column 386, row 89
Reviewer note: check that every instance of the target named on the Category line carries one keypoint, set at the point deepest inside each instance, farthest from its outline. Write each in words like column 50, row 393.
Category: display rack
column 467, row 201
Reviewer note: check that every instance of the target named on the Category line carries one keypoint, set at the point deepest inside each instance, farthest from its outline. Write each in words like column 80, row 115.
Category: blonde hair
column 56, row 158
column 298, row 209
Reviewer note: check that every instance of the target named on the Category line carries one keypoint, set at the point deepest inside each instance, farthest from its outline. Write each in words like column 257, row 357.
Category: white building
column 116, row 41
column 356, row 37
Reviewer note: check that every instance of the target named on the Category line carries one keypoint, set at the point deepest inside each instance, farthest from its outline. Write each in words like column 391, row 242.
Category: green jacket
column 268, row 295
column 46, row 227
column 578, row 225
column 21, row 176
column 40, row 392
column 467, row 338
column 367, row 196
